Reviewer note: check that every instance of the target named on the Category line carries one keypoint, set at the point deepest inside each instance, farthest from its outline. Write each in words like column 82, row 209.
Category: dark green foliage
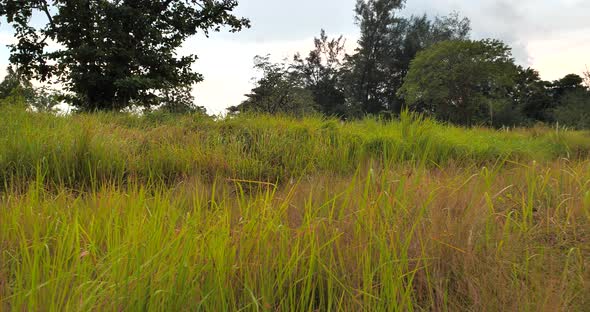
column 121, row 55
column 114, row 54
column 531, row 97
column 366, row 72
column 574, row 109
column 320, row 73
column 536, row 100
column 464, row 82
column 569, row 98
column 419, row 33
column 388, row 43
column 279, row 91
column 571, row 82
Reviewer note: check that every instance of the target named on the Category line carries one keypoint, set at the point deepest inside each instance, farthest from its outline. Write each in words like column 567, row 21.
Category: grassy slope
column 272, row 214
column 78, row 150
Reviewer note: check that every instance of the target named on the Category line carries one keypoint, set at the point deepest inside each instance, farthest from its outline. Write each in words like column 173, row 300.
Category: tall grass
column 76, row 151
column 115, row 212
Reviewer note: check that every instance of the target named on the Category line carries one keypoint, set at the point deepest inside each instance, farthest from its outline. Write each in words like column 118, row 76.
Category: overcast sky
column 553, row 36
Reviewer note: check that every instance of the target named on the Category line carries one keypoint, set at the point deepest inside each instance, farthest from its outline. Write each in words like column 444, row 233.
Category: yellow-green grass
column 113, row 212
column 77, row 151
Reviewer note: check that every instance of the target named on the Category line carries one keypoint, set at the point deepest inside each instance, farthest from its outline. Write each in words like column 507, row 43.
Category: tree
column 572, row 100
column 15, row 91
column 279, row 91
column 20, row 90
column 14, row 84
column 46, row 100
column 365, row 78
column 451, row 27
column 463, row 82
column 566, row 84
column 419, row 33
column 320, row 73
column 114, row 53
column 303, row 86
column 574, row 109
column 531, row 96
column 179, row 100
column 374, row 74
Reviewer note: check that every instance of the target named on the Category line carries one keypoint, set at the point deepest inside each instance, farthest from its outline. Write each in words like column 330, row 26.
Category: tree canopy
column 111, row 54
column 279, row 91
column 388, row 43
column 461, row 81
column 574, row 109
column 319, row 73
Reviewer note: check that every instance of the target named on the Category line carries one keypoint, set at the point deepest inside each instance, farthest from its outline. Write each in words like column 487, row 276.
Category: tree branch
column 43, row 6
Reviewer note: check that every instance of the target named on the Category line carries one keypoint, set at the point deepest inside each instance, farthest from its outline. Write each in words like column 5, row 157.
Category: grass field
column 113, row 212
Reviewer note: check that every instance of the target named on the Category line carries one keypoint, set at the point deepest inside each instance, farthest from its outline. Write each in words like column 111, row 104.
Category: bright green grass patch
column 85, row 149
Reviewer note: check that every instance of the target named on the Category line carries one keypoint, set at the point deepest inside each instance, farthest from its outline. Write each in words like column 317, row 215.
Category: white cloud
column 555, row 57
column 7, row 38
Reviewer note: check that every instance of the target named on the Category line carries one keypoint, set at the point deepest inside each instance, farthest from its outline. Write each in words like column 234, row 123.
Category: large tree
column 531, row 96
column 421, row 32
column 113, row 53
column 388, row 43
column 574, row 109
column 366, row 78
column 568, row 83
column 463, row 82
column 319, row 73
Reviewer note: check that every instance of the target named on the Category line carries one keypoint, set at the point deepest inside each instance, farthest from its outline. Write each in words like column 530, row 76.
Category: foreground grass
column 112, row 212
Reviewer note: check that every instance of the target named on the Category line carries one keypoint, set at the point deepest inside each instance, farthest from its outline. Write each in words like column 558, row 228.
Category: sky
column 552, row 36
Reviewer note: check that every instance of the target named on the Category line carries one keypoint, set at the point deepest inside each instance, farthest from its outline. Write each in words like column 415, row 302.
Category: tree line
column 121, row 54
column 421, row 64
